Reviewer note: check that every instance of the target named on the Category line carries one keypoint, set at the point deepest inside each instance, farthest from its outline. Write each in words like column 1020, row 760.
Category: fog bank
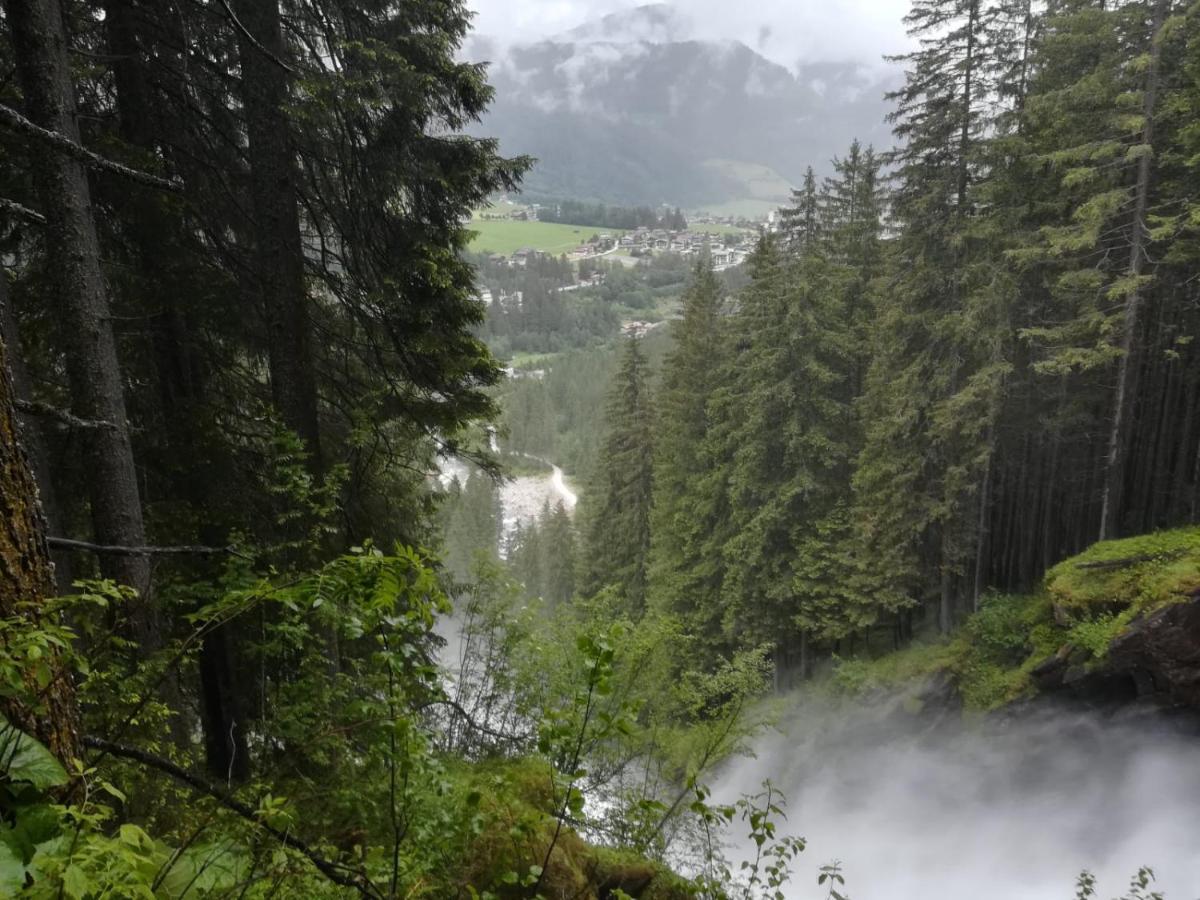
column 1002, row 811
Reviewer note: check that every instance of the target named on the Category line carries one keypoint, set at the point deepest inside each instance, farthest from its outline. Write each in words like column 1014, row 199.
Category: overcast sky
column 786, row 31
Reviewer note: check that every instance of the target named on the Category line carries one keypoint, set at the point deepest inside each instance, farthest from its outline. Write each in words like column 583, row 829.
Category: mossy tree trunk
column 47, row 712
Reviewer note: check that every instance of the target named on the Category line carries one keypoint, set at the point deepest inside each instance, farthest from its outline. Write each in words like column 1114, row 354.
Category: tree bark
column 33, row 438
column 78, row 289
column 1125, row 397
column 982, row 527
column 49, row 714
column 279, row 248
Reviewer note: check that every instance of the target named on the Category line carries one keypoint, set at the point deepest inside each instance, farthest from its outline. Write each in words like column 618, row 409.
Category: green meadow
column 506, row 236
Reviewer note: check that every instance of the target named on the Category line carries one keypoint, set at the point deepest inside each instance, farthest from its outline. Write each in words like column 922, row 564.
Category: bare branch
column 34, row 408
column 245, row 32
column 483, row 729
column 61, row 543
column 17, row 122
column 1125, row 561
column 24, row 212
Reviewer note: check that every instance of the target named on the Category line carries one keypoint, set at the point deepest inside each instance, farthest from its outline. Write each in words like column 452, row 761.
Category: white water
column 569, row 498
column 521, row 498
column 998, row 812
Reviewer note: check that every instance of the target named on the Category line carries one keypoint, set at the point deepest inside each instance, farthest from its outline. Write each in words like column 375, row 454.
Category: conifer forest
column 849, row 548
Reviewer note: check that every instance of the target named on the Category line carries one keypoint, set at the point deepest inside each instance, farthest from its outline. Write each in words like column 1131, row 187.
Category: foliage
column 1139, row 886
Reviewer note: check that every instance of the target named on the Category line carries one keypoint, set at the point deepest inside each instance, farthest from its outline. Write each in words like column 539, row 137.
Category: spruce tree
column 801, row 222
column 618, row 497
column 932, row 378
column 1092, row 118
column 788, row 449
column 558, row 554
column 685, row 575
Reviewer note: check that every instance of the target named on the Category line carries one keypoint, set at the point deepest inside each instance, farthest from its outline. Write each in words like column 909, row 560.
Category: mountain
column 631, row 109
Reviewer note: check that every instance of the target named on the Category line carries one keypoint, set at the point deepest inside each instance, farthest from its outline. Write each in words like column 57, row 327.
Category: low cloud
column 786, row 31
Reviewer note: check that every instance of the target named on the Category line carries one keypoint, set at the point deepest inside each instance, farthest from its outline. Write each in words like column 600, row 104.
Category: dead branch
column 17, row 122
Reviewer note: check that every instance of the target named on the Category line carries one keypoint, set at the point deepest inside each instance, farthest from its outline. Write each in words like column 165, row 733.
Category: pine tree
column 1095, row 125
column 788, row 402
column 685, row 575
column 801, row 222
column 473, row 523
column 558, row 554
column 933, row 376
column 619, row 495
column 79, row 295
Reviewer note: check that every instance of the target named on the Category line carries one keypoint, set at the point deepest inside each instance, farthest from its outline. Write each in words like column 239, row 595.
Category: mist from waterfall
column 1007, row 809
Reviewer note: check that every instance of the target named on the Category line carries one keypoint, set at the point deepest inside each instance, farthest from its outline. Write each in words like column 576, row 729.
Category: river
column 523, row 497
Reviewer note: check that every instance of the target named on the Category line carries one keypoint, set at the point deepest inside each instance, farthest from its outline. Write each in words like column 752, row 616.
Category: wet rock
column 1048, row 675
column 1154, row 663
column 1161, row 653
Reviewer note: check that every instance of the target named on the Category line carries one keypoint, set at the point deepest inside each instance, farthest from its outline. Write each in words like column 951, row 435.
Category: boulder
column 1161, row 653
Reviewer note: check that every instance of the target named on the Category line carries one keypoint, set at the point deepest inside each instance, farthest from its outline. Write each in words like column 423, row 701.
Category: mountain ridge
column 630, row 109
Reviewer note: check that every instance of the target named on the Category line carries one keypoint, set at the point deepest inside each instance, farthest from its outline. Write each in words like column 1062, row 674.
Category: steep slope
column 631, row 109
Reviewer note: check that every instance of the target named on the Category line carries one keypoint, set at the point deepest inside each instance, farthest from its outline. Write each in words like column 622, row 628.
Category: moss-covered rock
column 1130, row 576
column 1112, row 622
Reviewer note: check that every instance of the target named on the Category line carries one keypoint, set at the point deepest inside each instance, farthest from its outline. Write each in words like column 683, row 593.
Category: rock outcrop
column 1154, row 660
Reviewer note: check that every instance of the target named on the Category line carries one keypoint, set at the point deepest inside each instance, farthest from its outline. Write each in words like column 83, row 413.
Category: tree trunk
column 964, row 140
column 226, row 751
column 279, row 248
column 982, row 526
column 1123, row 401
column 33, row 437
column 79, row 292
column 946, row 594
column 1178, row 493
column 26, row 579
column 156, row 237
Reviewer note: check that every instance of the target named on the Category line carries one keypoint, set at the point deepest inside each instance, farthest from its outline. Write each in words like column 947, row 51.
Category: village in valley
column 729, row 238
column 567, row 275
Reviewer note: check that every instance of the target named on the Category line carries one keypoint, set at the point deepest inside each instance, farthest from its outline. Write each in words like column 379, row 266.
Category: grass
column 745, row 208
column 505, row 236
column 523, row 360
column 1085, row 603
column 1139, row 574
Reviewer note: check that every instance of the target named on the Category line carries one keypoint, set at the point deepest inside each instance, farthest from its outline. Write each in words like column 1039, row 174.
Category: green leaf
column 12, row 872
column 205, row 868
column 27, row 760
column 75, row 882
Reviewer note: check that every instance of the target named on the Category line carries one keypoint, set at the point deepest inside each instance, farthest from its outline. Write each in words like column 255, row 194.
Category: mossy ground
column 513, row 830
column 1084, row 603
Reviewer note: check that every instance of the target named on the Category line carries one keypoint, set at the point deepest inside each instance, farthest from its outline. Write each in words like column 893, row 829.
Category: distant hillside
column 629, row 110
